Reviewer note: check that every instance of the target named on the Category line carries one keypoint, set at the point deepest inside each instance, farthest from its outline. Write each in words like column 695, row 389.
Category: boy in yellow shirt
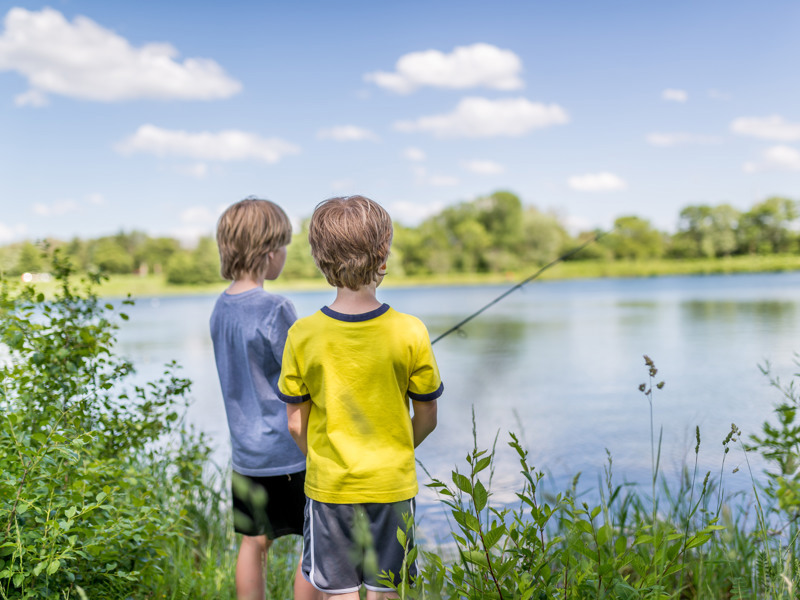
column 348, row 373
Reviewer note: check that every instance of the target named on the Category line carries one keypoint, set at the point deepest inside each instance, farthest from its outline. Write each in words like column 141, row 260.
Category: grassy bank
column 119, row 286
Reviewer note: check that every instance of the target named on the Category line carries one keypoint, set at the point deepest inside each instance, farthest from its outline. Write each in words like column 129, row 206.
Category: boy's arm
column 298, row 423
column 424, row 419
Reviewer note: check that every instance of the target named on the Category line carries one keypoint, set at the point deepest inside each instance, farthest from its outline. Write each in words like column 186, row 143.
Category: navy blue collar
column 355, row 318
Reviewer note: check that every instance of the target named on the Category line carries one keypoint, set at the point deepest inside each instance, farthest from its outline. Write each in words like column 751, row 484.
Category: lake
column 560, row 364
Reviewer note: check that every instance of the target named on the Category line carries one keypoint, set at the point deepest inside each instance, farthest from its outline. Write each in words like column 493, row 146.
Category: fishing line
column 457, row 326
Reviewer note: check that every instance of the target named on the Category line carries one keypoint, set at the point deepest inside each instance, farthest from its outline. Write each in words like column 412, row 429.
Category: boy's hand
column 424, row 420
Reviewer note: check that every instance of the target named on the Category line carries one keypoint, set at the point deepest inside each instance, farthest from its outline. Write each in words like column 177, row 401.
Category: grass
column 119, row 286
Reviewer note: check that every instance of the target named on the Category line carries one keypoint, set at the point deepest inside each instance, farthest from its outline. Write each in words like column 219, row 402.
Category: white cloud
column 481, row 117
column 96, row 198
column 478, row 65
column 718, row 95
column 773, row 127
column 680, row 139
column 777, row 158
column 33, row 98
column 87, row 61
column 195, row 222
column 56, row 209
column 411, row 213
column 414, row 154
column 347, row 133
column 229, row 145
column 483, row 167
column 9, row 233
column 673, row 95
column 597, row 182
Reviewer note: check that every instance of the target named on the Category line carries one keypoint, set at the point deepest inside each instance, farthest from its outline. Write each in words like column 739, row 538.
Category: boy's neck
column 239, row 286
column 356, row 302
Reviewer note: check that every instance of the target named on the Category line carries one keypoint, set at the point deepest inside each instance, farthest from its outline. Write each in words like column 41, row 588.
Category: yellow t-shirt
column 358, row 372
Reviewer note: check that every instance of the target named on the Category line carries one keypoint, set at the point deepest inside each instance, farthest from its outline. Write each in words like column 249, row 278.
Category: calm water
column 560, row 364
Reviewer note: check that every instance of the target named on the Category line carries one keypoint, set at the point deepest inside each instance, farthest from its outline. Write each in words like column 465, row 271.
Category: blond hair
column 350, row 239
column 246, row 232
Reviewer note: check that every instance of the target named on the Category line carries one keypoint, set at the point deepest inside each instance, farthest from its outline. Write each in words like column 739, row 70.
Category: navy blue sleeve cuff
column 293, row 399
column 427, row 397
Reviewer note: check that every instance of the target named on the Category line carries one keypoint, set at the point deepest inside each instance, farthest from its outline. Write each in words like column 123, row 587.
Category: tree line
column 489, row 234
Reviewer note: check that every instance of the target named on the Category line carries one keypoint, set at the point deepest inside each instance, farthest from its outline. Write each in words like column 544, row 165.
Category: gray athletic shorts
column 347, row 545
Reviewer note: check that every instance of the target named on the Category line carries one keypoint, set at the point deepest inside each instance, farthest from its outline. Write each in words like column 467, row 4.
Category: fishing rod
column 575, row 250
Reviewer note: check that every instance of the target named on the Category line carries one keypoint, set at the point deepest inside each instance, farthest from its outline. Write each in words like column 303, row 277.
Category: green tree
column 78, row 252
column 299, row 262
column 633, row 238
column 501, row 215
column 154, row 253
column 472, row 241
column 29, row 259
column 705, row 231
column 108, row 255
column 198, row 266
column 543, row 237
column 766, row 228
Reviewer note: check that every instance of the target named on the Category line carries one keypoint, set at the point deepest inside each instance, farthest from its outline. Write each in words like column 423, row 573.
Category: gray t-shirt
column 249, row 332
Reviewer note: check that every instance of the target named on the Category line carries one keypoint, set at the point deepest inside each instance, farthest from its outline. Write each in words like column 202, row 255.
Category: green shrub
column 98, row 477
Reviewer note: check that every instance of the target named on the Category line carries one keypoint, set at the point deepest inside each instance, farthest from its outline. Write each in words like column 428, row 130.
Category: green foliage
column 767, row 227
column 634, row 239
column 98, row 478
column 110, row 257
column 29, row 259
column 299, row 263
column 558, row 547
column 201, row 265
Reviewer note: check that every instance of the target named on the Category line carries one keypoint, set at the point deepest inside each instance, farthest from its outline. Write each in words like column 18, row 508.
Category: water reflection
column 768, row 311
column 560, row 363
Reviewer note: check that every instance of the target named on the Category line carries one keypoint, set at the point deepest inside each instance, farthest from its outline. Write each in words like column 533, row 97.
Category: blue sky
column 156, row 115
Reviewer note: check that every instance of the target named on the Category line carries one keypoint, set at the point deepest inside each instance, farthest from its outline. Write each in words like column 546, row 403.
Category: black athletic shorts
column 271, row 506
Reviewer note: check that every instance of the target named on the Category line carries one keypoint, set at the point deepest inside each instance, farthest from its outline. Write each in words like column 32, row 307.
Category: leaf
column 476, row 557
column 482, row 464
column 467, row 520
column 480, row 496
column 53, row 566
column 698, row 540
column 71, row 512
column 462, row 483
column 494, row 535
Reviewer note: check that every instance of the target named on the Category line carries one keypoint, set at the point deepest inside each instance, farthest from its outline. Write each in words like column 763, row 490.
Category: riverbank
column 119, row 286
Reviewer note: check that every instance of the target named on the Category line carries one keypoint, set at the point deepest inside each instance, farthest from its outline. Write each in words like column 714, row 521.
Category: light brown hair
column 246, row 232
column 350, row 239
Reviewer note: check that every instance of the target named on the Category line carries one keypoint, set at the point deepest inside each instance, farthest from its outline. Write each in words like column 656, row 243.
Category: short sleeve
column 283, row 317
column 291, row 387
column 425, row 383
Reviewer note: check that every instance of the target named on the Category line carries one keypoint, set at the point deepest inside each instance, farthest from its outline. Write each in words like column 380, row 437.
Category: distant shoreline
column 119, row 286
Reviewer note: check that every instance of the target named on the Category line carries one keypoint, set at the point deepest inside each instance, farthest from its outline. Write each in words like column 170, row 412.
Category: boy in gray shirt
column 248, row 329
